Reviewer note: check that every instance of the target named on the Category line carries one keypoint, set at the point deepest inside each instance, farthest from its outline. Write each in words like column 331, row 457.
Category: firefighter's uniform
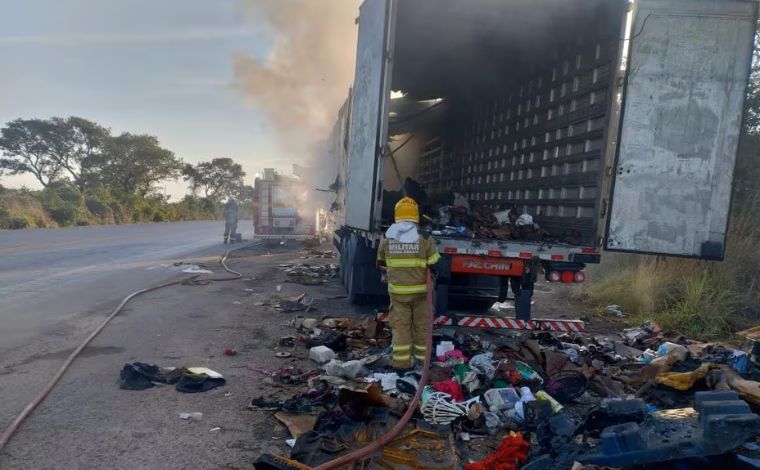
column 407, row 263
column 230, row 220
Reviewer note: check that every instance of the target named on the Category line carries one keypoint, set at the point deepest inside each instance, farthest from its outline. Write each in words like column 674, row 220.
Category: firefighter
column 404, row 255
column 230, row 220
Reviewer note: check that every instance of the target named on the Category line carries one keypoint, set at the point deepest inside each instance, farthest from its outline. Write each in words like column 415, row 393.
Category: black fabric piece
column 333, row 340
column 194, row 383
column 267, row 404
column 336, row 424
column 132, row 378
column 314, row 449
column 566, row 385
column 275, row 462
column 322, row 395
column 141, row 376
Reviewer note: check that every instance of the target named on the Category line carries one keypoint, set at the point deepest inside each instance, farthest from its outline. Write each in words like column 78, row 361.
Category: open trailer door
column 369, row 116
column 687, row 72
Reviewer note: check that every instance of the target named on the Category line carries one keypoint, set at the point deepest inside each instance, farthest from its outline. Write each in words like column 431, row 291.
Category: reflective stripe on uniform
column 420, row 352
column 405, row 263
column 432, row 259
column 406, row 290
column 402, row 352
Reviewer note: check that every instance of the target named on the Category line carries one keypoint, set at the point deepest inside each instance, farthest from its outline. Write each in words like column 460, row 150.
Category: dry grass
column 22, row 211
column 702, row 299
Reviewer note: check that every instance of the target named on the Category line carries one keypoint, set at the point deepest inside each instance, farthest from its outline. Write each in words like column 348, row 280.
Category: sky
column 169, row 68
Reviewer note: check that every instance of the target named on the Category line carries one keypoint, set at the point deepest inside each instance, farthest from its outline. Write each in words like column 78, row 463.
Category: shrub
column 99, row 209
column 20, row 210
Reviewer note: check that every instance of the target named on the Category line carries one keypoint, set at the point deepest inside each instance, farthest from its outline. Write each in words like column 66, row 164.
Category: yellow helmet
column 407, row 211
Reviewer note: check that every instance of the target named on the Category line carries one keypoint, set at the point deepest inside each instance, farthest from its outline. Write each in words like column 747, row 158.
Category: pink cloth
column 455, row 354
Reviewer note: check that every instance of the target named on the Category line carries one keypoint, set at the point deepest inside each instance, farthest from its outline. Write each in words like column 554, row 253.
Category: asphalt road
column 87, row 421
column 50, row 276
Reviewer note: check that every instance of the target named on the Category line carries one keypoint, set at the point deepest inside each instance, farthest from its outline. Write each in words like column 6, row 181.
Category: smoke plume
column 305, row 78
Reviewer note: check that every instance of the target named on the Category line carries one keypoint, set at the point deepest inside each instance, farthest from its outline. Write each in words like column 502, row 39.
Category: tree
column 243, row 193
column 49, row 148
column 134, row 163
column 218, row 179
column 76, row 146
column 26, row 146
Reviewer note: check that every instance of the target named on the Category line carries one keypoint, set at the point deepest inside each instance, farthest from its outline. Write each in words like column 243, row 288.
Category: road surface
column 48, row 277
column 87, row 421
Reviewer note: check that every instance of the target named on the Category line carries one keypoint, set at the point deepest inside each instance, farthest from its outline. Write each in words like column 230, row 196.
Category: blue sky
column 162, row 67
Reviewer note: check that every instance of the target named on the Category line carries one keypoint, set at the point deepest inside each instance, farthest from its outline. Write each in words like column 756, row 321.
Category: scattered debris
column 321, row 354
column 311, row 274
column 615, row 310
column 299, row 303
column 141, row 376
column 191, row 268
column 230, row 352
column 297, row 424
column 195, row 416
column 543, row 399
column 199, row 379
column 319, row 254
column 283, row 354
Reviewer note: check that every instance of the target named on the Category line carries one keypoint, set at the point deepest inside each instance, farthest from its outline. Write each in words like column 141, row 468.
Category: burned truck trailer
column 611, row 124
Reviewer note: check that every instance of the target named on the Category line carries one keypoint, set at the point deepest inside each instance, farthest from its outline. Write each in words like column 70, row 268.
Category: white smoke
column 306, row 77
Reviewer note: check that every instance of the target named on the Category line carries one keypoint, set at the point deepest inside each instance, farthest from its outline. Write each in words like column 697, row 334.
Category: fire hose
column 16, row 423
column 395, row 430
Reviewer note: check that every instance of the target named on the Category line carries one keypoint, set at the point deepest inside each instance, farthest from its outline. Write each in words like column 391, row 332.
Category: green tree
column 25, row 144
column 218, row 179
column 76, row 146
column 243, row 193
column 134, row 163
column 52, row 148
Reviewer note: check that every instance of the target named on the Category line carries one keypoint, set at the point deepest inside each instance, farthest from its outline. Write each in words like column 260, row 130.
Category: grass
column 704, row 300
column 22, row 211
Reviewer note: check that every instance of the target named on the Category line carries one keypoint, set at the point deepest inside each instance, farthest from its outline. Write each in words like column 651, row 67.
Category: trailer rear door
column 369, row 115
column 687, row 71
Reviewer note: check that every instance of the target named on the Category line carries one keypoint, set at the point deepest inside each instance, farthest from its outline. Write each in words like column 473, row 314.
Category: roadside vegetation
column 91, row 177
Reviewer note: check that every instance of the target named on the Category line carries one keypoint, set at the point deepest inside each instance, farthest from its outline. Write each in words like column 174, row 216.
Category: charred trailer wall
column 541, row 146
column 528, row 121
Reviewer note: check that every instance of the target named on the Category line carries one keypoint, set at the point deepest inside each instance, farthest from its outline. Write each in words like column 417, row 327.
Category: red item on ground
column 230, row 352
column 451, row 387
column 513, row 449
column 514, row 377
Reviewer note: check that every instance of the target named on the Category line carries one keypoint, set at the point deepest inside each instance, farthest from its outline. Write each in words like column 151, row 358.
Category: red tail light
column 568, row 277
column 555, row 276
column 580, row 277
